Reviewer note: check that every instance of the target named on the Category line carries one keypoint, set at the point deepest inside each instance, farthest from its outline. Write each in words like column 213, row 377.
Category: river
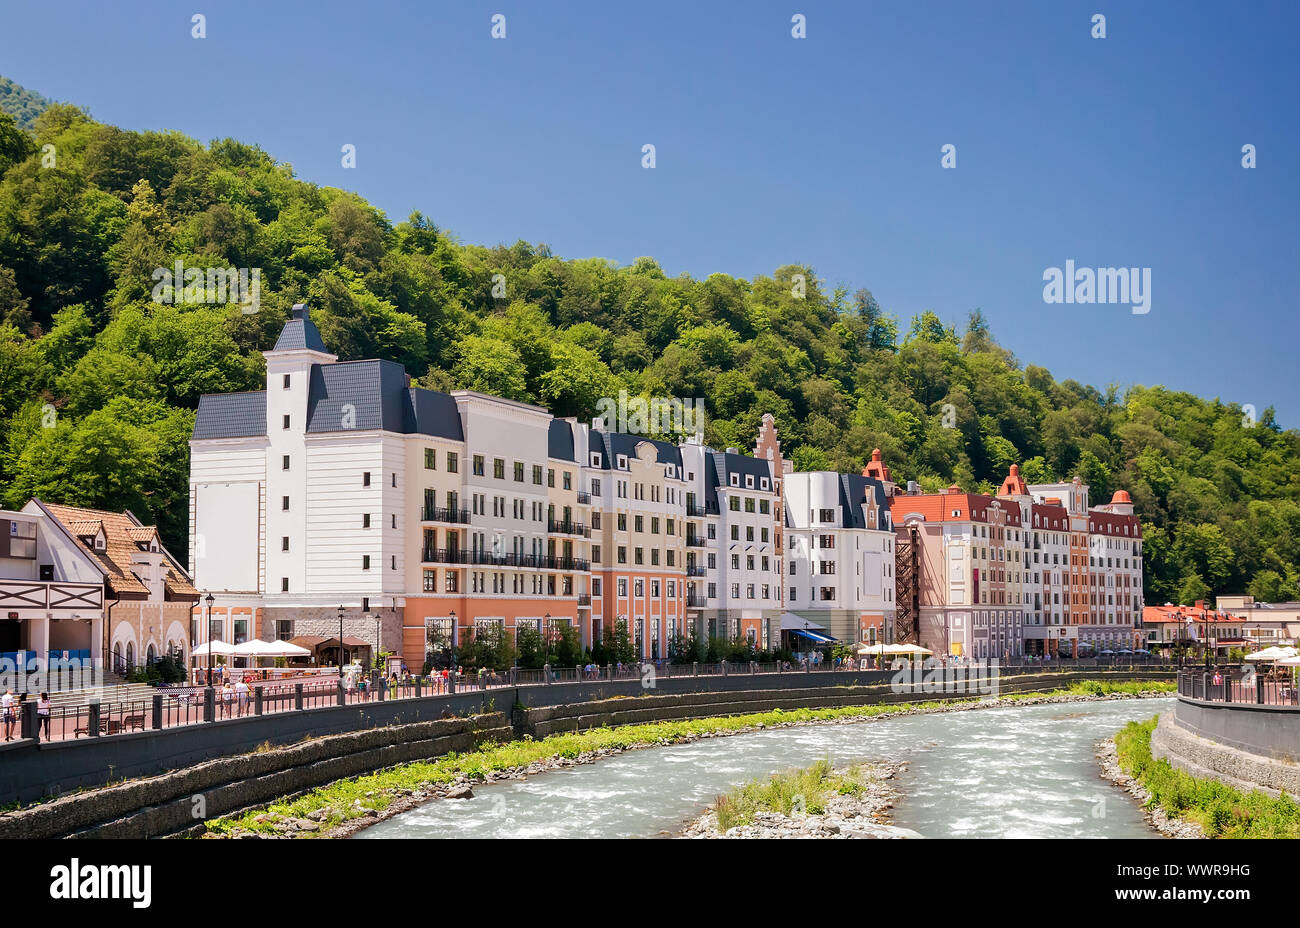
column 1022, row 772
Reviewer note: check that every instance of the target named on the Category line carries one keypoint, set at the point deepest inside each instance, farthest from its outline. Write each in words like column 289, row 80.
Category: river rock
column 460, row 792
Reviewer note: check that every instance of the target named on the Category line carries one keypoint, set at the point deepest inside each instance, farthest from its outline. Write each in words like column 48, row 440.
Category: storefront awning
column 812, row 635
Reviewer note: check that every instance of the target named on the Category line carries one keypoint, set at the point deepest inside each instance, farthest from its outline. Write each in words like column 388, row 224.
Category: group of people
column 12, row 709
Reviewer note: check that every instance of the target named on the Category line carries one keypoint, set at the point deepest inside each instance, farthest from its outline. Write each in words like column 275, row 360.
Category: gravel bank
column 862, row 816
column 1157, row 818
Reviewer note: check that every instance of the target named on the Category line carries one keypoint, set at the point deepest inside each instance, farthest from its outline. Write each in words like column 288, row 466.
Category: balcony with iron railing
column 695, row 601
column 507, row 559
column 584, row 498
column 694, row 571
column 436, row 514
column 695, row 511
column 566, row 527
column 584, row 599
column 694, row 541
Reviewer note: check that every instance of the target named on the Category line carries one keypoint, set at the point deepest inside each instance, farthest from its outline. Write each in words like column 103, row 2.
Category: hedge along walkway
column 347, row 805
column 1220, row 810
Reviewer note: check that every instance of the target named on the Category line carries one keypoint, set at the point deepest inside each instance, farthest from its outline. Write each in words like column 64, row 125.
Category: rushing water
column 990, row 773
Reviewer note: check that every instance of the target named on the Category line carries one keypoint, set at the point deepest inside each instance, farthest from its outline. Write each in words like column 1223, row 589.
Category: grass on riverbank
column 1104, row 688
column 349, row 799
column 806, row 791
column 1220, row 810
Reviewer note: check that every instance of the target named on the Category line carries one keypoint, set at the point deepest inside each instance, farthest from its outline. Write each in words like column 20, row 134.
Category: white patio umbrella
column 906, row 649
column 1272, row 654
column 1289, row 662
column 215, row 647
column 872, row 649
column 259, row 648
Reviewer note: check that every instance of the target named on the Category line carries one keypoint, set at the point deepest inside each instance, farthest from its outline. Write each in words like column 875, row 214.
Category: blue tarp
column 813, row 635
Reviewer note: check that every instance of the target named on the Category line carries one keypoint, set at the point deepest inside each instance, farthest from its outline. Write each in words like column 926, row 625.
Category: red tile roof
column 123, row 532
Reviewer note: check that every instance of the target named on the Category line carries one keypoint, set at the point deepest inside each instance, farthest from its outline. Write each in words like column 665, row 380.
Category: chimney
column 733, row 451
column 300, row 311
column 913, row 488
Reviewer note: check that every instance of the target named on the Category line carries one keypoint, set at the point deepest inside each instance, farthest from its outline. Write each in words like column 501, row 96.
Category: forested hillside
column 98, row 382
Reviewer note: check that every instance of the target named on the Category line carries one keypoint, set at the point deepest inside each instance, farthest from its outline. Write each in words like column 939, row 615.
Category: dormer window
column 595, row 459
column 99, row 542
column 622, row 462
column 735, row 480
column 749, row 481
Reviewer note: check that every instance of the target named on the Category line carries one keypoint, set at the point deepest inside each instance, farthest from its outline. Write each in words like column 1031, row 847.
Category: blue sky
column 1122, row 151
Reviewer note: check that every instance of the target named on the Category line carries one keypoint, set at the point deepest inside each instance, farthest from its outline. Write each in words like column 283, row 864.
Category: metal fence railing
column 188, row 705
column 1260, row 689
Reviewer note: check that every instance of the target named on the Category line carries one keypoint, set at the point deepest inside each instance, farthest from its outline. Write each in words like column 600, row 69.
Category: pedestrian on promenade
column 43, row 714
column 241, row 694
column 227, row 698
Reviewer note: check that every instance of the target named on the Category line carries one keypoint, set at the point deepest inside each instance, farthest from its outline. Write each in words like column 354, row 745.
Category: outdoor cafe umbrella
column 1272, row 654
column 906, row 649
column 259, row 648
column 215, row 647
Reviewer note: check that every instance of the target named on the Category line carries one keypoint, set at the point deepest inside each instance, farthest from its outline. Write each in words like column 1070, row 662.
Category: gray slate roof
column 854, row 488
column 611, row 444
column 300, row 332
column 559, row 440
column 231, row 415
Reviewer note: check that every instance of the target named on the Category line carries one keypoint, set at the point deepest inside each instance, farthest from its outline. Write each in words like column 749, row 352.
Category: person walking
column 241, row 695
column 43, row 714
column 7, row 707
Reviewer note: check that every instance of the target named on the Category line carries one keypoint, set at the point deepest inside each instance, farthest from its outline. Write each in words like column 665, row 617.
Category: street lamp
column 209, row 599
column 451, row 642
column 340, row 642
column 376, row 639
column 546, row 630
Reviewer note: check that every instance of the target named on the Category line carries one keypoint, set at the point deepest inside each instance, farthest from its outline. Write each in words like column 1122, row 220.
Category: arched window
column 149, row 655
column 130, row 654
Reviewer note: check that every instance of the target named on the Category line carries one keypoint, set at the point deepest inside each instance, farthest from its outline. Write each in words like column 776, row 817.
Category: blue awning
column 813, row 635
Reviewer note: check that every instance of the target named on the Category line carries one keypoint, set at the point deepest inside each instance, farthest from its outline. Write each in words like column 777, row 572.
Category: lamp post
column 340, row 642
column 546, row 630
column 451, row 642
column 209, row 599
column 376, row 639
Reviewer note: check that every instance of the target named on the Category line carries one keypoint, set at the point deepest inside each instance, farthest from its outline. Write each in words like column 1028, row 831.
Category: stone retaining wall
column 1208, row 758
column 168, row 803
column 548, row 720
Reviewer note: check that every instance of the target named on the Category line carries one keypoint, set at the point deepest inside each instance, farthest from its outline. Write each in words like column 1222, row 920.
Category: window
column 365, row 520
column 568, row 480
column 430, row 581
column 365, row 479
column 478, row 465
column 286, row 381
column 453, row 462
column 286, row 422
column 284, row 504
column 284, row 543
column 499, row 468
column 365, row 562
column 284, row 462
column 519, row 472
column 284, row 584
column 430, row 458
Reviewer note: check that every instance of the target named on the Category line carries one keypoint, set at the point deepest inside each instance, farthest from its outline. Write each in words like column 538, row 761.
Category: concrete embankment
column 172, row 802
